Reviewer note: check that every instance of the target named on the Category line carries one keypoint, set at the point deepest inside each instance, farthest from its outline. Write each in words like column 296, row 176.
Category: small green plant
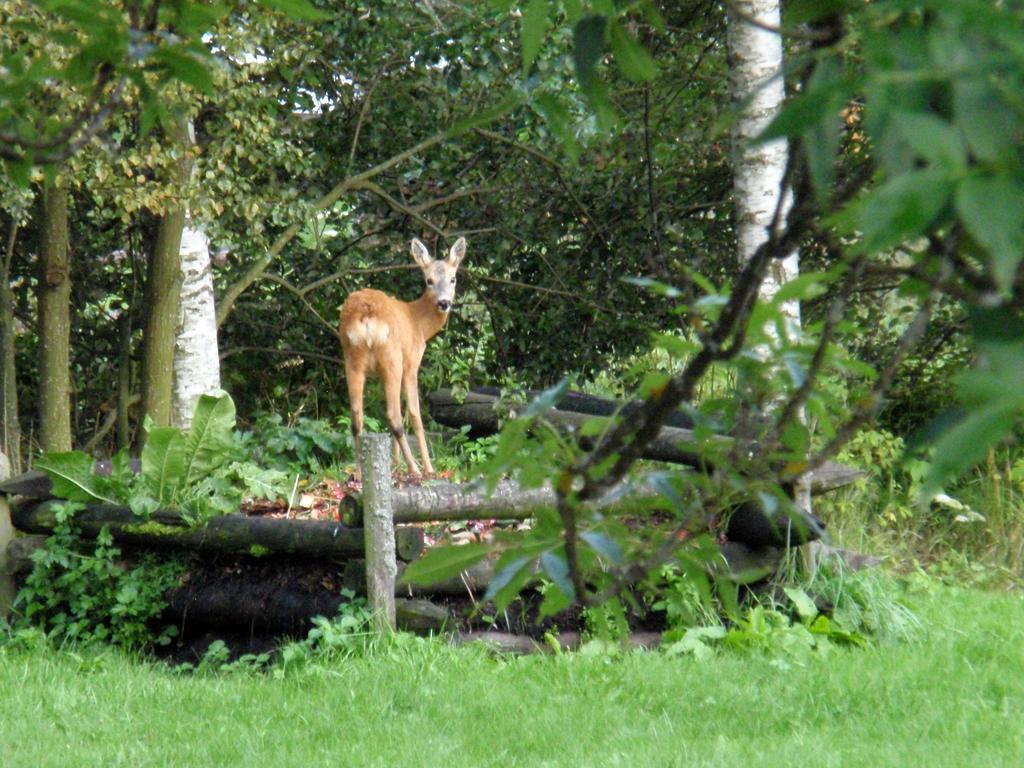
column 347, row 634
column 306, row 447
column 83, row 591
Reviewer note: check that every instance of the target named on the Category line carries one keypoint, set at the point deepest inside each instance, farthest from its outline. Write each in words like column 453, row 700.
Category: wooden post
column 379, row 529
column 7, row 589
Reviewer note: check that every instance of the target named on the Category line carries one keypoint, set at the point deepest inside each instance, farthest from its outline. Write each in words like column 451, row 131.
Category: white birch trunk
column 196, row 354
column 758, row 89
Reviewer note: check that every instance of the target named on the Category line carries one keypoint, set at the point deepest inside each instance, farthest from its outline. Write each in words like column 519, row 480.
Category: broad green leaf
column 509, row 580
column 72, row 476
column 992, row 210
column 557, row 569
column 803, row 603
column 604, row 546
column 902, row 209
column 441, row 563
column 810, row 108
column 555, row 601
column 163, row 463
column 207, row 444
column 588, row 46
column 633, row 59
column 986, row 120
column 594, row 426
column 534, row 25
column 932, row 138
column 967, row 442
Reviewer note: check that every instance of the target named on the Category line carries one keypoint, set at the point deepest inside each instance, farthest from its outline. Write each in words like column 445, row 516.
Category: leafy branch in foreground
column 930, row 185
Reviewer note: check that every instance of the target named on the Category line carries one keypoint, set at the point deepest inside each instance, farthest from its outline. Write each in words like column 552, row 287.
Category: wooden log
column 19, row 555
column 379, row 529
column 675, row 445
column 420, row 616
column 35, row 484
column 231, row 534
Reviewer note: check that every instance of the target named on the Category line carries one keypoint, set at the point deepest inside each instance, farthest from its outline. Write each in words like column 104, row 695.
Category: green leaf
column 163, row 463
column 485, row 116
column 902, row 209
column 604, row 546
column 803, row 603
column 441, row 563
column 300, row 10
column 633, row 59
column 992, row 210
column 588, row 47
column 509, row 580
column 555, row 568
column 186, row 68
column 965, row 444
column 818, row 104
column 546, row 399
column 72, row 476
column 932, row 138
column 986, row 120
column 534, row 25
column 208, row 442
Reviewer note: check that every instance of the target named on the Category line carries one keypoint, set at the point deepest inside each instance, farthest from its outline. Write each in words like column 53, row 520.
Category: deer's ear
column 420, row 253
column 458, row 252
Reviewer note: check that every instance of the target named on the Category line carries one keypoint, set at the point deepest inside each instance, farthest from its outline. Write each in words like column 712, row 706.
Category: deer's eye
column 430, row 282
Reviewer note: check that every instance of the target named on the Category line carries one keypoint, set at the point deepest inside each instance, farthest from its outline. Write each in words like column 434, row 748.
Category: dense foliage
column 582, row 149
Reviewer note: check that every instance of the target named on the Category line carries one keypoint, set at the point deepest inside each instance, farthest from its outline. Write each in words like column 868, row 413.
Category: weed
column 82, row 591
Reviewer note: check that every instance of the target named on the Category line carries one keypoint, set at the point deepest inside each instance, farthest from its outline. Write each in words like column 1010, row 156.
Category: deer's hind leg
column 391, row 374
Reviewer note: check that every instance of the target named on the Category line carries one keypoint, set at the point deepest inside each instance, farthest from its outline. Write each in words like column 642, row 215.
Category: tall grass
column 973, row 533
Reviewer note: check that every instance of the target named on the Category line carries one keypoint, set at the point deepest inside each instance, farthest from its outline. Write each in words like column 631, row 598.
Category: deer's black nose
column 444, row 305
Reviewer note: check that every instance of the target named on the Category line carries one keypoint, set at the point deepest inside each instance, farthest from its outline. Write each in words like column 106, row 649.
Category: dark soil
column 254, row 604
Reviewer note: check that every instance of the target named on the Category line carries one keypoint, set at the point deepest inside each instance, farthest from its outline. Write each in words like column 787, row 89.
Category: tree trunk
column 162, row 300
column 757, row 86
column 196, row 357
column 10, row 424
column 55, row 322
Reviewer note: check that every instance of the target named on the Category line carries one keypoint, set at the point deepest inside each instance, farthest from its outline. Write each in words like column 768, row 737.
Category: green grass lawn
column 955, row 698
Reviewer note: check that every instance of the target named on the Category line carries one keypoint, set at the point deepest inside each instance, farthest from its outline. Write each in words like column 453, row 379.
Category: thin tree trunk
column 10, row 424
column 196, row 355
column 757, row 87
column 124, row 378
column 161, row 303
column 55, row 323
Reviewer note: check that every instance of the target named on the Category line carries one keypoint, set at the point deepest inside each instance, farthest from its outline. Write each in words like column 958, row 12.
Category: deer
column 386, row 337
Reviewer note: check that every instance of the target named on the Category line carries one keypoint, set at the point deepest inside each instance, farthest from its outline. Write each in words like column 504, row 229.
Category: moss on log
column 232, row 534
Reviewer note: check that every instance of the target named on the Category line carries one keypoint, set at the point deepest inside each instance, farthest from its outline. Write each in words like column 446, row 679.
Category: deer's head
column 439, row 274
